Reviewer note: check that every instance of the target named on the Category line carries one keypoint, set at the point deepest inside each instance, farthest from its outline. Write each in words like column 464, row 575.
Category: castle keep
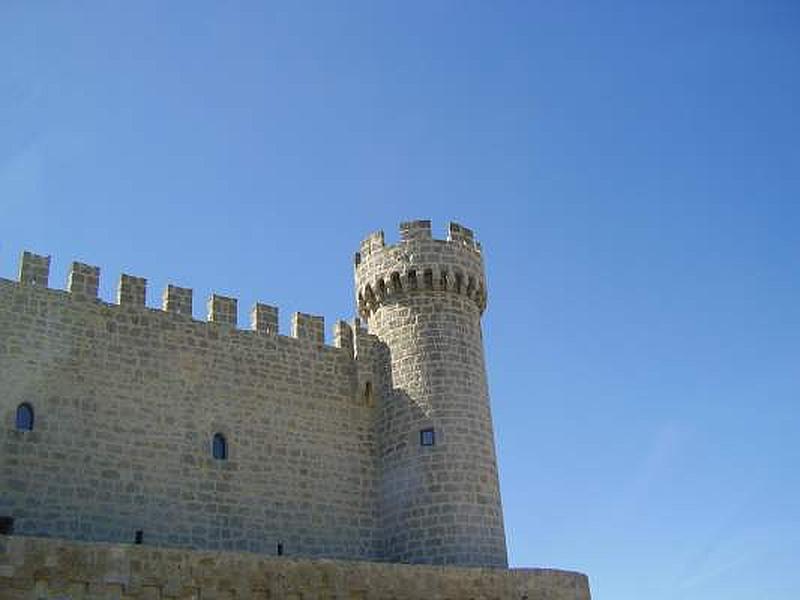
column 123, row 423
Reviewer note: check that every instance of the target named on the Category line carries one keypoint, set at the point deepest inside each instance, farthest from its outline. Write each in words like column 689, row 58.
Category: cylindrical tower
column 423, row 298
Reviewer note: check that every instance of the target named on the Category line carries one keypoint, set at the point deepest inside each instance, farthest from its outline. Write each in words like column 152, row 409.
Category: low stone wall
column 47, row 568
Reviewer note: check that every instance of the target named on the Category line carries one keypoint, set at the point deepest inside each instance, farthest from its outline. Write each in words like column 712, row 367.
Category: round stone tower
column 423, row 298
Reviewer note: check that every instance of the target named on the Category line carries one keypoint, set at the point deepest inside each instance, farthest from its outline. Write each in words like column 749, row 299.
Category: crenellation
column 460, row 234
column 177, row 300
column 308, row 327
column 222, row 310
column 419, row 263
column 343, row 337
column 132, row 291
column 83, row 281
column 34, row 269
column 264, row 319
column 374, row 242
column 415, row 230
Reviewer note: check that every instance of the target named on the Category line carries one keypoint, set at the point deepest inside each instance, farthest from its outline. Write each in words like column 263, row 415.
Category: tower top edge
column 418, row 262
column 415, row 232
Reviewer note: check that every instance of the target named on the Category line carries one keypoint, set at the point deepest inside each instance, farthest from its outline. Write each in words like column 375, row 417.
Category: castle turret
column 423, row 298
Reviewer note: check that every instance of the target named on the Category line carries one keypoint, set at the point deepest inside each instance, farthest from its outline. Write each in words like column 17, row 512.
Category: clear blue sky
column 632, row 169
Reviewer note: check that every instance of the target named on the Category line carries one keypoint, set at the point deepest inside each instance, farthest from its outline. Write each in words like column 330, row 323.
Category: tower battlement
column 419, row 262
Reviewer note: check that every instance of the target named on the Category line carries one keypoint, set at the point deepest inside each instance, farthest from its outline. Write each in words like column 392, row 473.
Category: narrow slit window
column 219, row 447
column 24, row 417
column 427, row 437
column 368, row 392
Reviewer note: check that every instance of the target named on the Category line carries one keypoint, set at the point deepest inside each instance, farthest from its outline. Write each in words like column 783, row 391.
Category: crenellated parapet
column 34, row 269
column 419, row 263
column 131, row 291
column 223, row 310
column 84, row 281
column 264, row 319
column 83, row 284
column 308, row 327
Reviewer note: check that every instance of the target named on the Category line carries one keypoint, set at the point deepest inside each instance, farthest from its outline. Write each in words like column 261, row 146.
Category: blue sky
column 631, row 169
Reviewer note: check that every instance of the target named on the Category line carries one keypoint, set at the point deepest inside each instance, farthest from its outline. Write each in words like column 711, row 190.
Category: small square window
column 6, row 525
column 427, row 437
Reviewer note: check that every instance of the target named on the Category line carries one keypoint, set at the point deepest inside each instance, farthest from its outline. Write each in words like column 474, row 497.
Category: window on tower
column 427, row 437
column 25, row 417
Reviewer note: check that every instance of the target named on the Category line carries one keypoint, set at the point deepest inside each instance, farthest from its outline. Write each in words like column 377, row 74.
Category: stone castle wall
column 126, row 400
column 56, row 569
column 325, row 453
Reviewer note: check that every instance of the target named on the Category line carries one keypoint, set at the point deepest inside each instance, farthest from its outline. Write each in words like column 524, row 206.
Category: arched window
column 219, row 447
column 25, row 417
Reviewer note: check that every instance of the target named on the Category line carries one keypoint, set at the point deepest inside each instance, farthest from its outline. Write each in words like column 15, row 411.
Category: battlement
column 416, row 231
column 83, row 283
column 34, row 269
column 417, row 263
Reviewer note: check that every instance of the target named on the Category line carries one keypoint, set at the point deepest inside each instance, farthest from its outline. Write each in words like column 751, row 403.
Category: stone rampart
column 127, row 399
column 49, row 569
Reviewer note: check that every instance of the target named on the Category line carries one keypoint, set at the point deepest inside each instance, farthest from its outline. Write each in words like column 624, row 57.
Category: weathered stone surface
column 34, row 269
column 323, row 445
column 126, row 401
column 132, row 291
column 49, row 569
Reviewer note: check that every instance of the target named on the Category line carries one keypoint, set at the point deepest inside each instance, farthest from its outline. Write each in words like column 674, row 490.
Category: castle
column 125, row 424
